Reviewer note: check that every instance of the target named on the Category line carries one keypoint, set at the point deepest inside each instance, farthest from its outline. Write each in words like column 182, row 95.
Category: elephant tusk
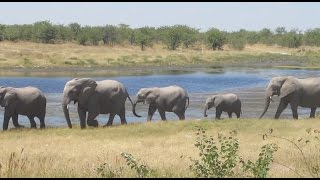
column 271, row 99
column 68, row 106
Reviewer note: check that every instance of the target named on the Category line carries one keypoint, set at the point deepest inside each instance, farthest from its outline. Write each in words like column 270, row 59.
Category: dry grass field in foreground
column 37, row 55
column 163, row 146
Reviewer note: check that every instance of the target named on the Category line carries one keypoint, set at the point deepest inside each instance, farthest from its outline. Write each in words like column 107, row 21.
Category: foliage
column 106, row 171
column 216, row 39
column 260, row 168
column 142, row 170
column 220, row 159
column 215, row 161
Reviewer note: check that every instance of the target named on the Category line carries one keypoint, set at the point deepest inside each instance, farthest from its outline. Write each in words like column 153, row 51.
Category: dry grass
column 28, row 54
column 164, row 146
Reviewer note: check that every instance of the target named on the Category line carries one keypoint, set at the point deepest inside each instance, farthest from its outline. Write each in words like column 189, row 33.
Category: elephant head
column 145, row 95
column 7, row 96
column 280, row 86
column 212, row 101
column 77, row 90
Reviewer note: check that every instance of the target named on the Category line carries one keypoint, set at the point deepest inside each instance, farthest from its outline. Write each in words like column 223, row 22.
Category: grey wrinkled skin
column 293, row 91
column 28, row 101
column 164, row 99
column 94, row 98
column 229, row 103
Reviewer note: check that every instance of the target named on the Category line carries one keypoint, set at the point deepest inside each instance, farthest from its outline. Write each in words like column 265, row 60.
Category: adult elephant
column 28, row 101
column 95, row 97
column 170, row 99
column 293, row 91
column 229, row 103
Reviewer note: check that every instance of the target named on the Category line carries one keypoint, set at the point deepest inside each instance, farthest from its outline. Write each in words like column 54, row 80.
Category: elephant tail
column 188, row 103
column 129, row 97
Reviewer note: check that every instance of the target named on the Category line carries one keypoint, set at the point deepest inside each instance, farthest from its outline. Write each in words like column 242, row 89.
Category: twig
column 304, row 158
column 289, row 168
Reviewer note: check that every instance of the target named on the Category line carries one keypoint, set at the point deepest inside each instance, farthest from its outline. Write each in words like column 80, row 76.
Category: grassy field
column 163, row 146
column 46, row 56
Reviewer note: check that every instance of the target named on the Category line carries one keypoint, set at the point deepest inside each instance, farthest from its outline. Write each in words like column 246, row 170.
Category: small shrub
column 27, row 61
column 260, row 168
column 215, row 161
column 106, row 171
column 142, row 170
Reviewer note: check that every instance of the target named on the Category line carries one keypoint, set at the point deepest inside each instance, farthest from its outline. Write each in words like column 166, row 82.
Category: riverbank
column 27, row 56
column 163, row 146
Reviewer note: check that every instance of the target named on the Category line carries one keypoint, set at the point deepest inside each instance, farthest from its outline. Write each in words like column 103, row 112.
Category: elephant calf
column 229, row 103
column 28, row 101
column 170, row 99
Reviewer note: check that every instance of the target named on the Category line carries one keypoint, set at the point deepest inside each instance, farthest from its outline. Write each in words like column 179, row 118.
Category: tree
column 110, row 35
column 266, row 36
column 189, row 35
column 2, row 32
column 75, row 29
column 144, row 37
column 292, row 39
column 44, row 32
column 215, row 38
column 312, row 37
column 172, row 36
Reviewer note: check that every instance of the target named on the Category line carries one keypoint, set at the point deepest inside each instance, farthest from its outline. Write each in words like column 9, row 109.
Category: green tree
column 312, row 37
column 111, row 36
column 189, row 35
column 44, row 32
column 292, row 39
column 2, row 32
column 215, row 38
column 144, row 37
column 75, row 29
column 266, row 36
column 173, row 36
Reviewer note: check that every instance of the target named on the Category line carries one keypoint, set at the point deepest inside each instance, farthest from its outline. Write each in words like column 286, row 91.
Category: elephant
column 229, row 103
column 95, row 97
column 293, row 91
column 165, row 99
column 28, row 101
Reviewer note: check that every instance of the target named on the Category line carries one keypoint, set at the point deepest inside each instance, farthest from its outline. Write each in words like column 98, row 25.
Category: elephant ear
column 288, row 87
column 151, row 97
column 217, row 101
column 87, row 90
column 9, row 99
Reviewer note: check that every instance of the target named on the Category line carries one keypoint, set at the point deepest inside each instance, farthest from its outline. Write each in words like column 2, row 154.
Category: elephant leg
column 6, row 119
column 32, row 122
column 42, row 124
column 15, row 121
column 313, row 112
column 218, row 113
column 180, row 115
column 151, row 111
column 282, row 106
column 91, row 121
column 122, row 116
column 294, row 109
column 162, row 114
column 110, row 121
column 230, row 114
column 82, row 116
column 238, row 114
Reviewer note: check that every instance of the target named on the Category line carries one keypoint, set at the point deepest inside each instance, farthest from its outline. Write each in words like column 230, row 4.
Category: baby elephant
column 28, row 101
column 229, row 103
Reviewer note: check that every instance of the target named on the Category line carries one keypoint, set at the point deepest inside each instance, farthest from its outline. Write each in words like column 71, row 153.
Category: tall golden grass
column 38, row 55
column 163, row 146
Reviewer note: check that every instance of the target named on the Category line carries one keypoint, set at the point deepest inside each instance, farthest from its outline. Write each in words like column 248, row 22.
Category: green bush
column 142, row 170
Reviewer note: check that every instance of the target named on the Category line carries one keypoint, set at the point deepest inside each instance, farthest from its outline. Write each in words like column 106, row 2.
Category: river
column 248, row 84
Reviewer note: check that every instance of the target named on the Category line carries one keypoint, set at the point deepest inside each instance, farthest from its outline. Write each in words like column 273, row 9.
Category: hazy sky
column 222, row 15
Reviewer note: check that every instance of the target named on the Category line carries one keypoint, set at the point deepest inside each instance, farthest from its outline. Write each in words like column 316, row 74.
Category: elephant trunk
column 66, row 111
column 267, row 103
column 205, row 111
column 134, row 109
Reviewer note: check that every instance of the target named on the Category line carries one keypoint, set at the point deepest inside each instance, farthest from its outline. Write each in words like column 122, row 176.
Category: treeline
column 171, row 36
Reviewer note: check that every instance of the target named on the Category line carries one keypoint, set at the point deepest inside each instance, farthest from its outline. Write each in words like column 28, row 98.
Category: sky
column 228, row 16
